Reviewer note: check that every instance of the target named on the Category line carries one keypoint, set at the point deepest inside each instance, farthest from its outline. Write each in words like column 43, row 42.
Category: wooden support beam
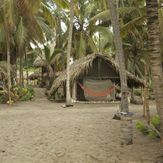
column 74, row 91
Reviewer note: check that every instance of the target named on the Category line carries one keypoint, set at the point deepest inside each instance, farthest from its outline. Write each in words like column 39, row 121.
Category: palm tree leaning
column 155, row 55
column 68, row 96
column 126, row 125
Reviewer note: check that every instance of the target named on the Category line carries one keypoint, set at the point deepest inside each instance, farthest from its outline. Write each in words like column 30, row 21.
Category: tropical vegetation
column 129, row 31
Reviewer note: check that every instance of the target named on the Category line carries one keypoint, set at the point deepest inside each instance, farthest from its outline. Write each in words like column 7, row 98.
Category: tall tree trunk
column 155, row 55
column 9, row 72
column 8, row 67
column 126, row 124
column 26, row 62
column 68, row 96
column 21, row 70
column 146, row 96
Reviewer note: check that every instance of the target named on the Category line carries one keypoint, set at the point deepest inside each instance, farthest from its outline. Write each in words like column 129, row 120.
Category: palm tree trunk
column 155, row 55
column 26, row 62
column 8, row 67
column 146, row 97
column 21, row 70
column 68, row 96
column 126, row 124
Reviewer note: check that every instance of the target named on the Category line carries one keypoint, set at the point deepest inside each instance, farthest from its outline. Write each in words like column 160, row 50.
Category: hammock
column 97, row 94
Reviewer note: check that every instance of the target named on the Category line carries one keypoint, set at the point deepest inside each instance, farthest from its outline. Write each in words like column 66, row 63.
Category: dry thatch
column 34, row 76
column 39, row 62
column 82, row 66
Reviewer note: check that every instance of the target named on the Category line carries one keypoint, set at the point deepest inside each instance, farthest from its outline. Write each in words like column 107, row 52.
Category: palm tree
column 133, row 32
column 50, row 60
column 8, row 25
column 23, row 23
column 126, row 133
column 155, row 55
column 68, row 96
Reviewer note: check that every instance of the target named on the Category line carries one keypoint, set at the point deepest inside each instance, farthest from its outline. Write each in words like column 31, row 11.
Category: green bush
column 141, row 127
column 155, row 121
column 152, row 134
column 146, row 130
column 4, row 96
column 24, row 94
column 17, row 94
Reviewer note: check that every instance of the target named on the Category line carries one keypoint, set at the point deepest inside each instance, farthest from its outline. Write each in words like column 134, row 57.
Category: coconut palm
column 8, row 26
column 51, row 60
column 68, row 96
column 155, row 54
column 120, row 55
column 22, row 23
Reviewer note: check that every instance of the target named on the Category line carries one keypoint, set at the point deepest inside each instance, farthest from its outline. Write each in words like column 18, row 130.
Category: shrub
column 4, row 96
column 155, row 121
column 24, row 94
column 141, row 127
column 152, row 134
column 147, row 130
column 17, row 93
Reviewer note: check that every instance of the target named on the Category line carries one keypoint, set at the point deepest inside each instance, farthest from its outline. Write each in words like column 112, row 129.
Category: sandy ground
column 44, row 132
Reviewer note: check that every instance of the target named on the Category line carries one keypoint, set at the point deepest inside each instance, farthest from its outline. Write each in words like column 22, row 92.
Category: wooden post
column 114, row 92
column 74, row 91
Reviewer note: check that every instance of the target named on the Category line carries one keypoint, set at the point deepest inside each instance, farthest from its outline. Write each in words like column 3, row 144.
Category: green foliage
column 17, row 94
column 146, row 130
column 141, row 127
column 152, row 134
column 4, row 97
column 24, row 94
column 155, row 121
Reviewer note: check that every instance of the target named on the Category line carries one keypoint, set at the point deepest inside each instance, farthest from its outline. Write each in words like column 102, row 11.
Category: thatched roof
column 39, row 62
column 36, row 75
column 82, row 66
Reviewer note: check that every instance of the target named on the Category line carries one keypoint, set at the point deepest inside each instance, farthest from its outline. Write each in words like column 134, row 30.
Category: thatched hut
column 34, row 76
column 47, row 70
column 94, row 77
column 39, row 62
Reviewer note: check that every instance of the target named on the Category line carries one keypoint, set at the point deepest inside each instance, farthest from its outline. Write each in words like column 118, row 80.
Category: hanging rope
column 97, row 94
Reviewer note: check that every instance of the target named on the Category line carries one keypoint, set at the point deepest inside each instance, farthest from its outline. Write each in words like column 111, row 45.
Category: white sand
column 44, row 132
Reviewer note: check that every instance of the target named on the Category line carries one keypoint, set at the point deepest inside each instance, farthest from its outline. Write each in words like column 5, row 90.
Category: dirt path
column 44, row 132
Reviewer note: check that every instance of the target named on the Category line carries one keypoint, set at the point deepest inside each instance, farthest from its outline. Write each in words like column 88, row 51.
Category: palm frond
column 43, row 28
column 8, row 12
column 21, row 33
column 62, row 3
column 48, row 16
column 104, row 15
column 126, row 28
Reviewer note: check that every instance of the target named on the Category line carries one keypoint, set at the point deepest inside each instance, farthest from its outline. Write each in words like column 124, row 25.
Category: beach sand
column 41, row 131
